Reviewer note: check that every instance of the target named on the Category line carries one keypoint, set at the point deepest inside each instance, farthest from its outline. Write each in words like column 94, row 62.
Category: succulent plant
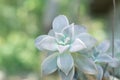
column 102, row 60
column 66, row 42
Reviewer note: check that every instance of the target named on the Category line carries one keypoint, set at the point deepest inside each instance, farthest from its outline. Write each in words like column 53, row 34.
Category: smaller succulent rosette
column 103, row 60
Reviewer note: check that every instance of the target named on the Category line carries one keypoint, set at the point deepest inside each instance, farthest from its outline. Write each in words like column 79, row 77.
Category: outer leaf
column 77, row 45
column 59, row 23
column 104, row 46
column 46, row 43
column 65, row 62
column 88, row 40
column 115, row 63
column 100, row 73
column 67, row 77
column 38, row 40
column 51, row 33
column 104, row 58
column 79, row 29
column 85, row 64
column 49, row 65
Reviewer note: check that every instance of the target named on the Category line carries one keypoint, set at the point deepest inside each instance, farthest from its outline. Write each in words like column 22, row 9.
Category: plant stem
column 114, row 17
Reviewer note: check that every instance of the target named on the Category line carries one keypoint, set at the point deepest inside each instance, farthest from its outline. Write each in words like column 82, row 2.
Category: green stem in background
column 112, row 29
column 114, row 16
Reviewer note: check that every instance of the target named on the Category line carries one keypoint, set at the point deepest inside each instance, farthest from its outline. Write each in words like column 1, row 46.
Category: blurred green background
column 21, row 21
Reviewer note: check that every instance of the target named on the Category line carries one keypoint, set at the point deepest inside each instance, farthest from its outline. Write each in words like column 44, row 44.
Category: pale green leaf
column 67, row 77
column 65, row 62
column 69, row 31
column 104, row 58
column 77, row 45
column 38, row 40
column 99, row 75
column 79, row 29
column 62, row 48
column 104, row 46
column 88, row 40
column 46, row 43
column 51, row 33
column 59, row 23
column 49, row 65
column 85, row 64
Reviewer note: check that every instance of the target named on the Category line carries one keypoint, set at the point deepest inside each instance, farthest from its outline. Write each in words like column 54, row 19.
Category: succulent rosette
column 63, row 40
column 103, row 60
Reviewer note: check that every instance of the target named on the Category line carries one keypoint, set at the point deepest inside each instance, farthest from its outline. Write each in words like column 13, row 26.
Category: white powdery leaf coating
column 51, row 33
column 104, row 58
column 73, row 31
column 104, row 46
column 100, row 72
column 59, row 37
column 65, row 62
column 115, row 63
column 38, row 41
column 85, row 64
column 62, row 49
column 69, row 31
column 59, row 23
column 78, row 30
column 46, row 43
column 49, row 65
column 88, row 40
column 69, row 76
column 77, row 45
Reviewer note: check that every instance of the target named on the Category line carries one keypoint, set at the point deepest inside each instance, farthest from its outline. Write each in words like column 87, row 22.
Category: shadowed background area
column 21, row 21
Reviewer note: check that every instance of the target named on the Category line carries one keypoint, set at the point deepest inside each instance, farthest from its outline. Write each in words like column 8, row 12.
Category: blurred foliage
column 22, row 20
column 19, row 25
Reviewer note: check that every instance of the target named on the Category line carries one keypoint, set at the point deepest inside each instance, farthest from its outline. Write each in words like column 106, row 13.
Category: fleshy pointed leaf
column 59, row 37
column 104, row 58
column 85, row 64
column 62, row 49
column 65, row 62
column 115, row 63
column 74, row 30
column 78, row 30
column 46, row 43
column 69, row 31
column 104, row 46
column 59, row 23
column 51, row 33
column 38, row 40
column 49, row 65
column 77, row 45
column 88, row 40
column 67, row 77
column 100, row 73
